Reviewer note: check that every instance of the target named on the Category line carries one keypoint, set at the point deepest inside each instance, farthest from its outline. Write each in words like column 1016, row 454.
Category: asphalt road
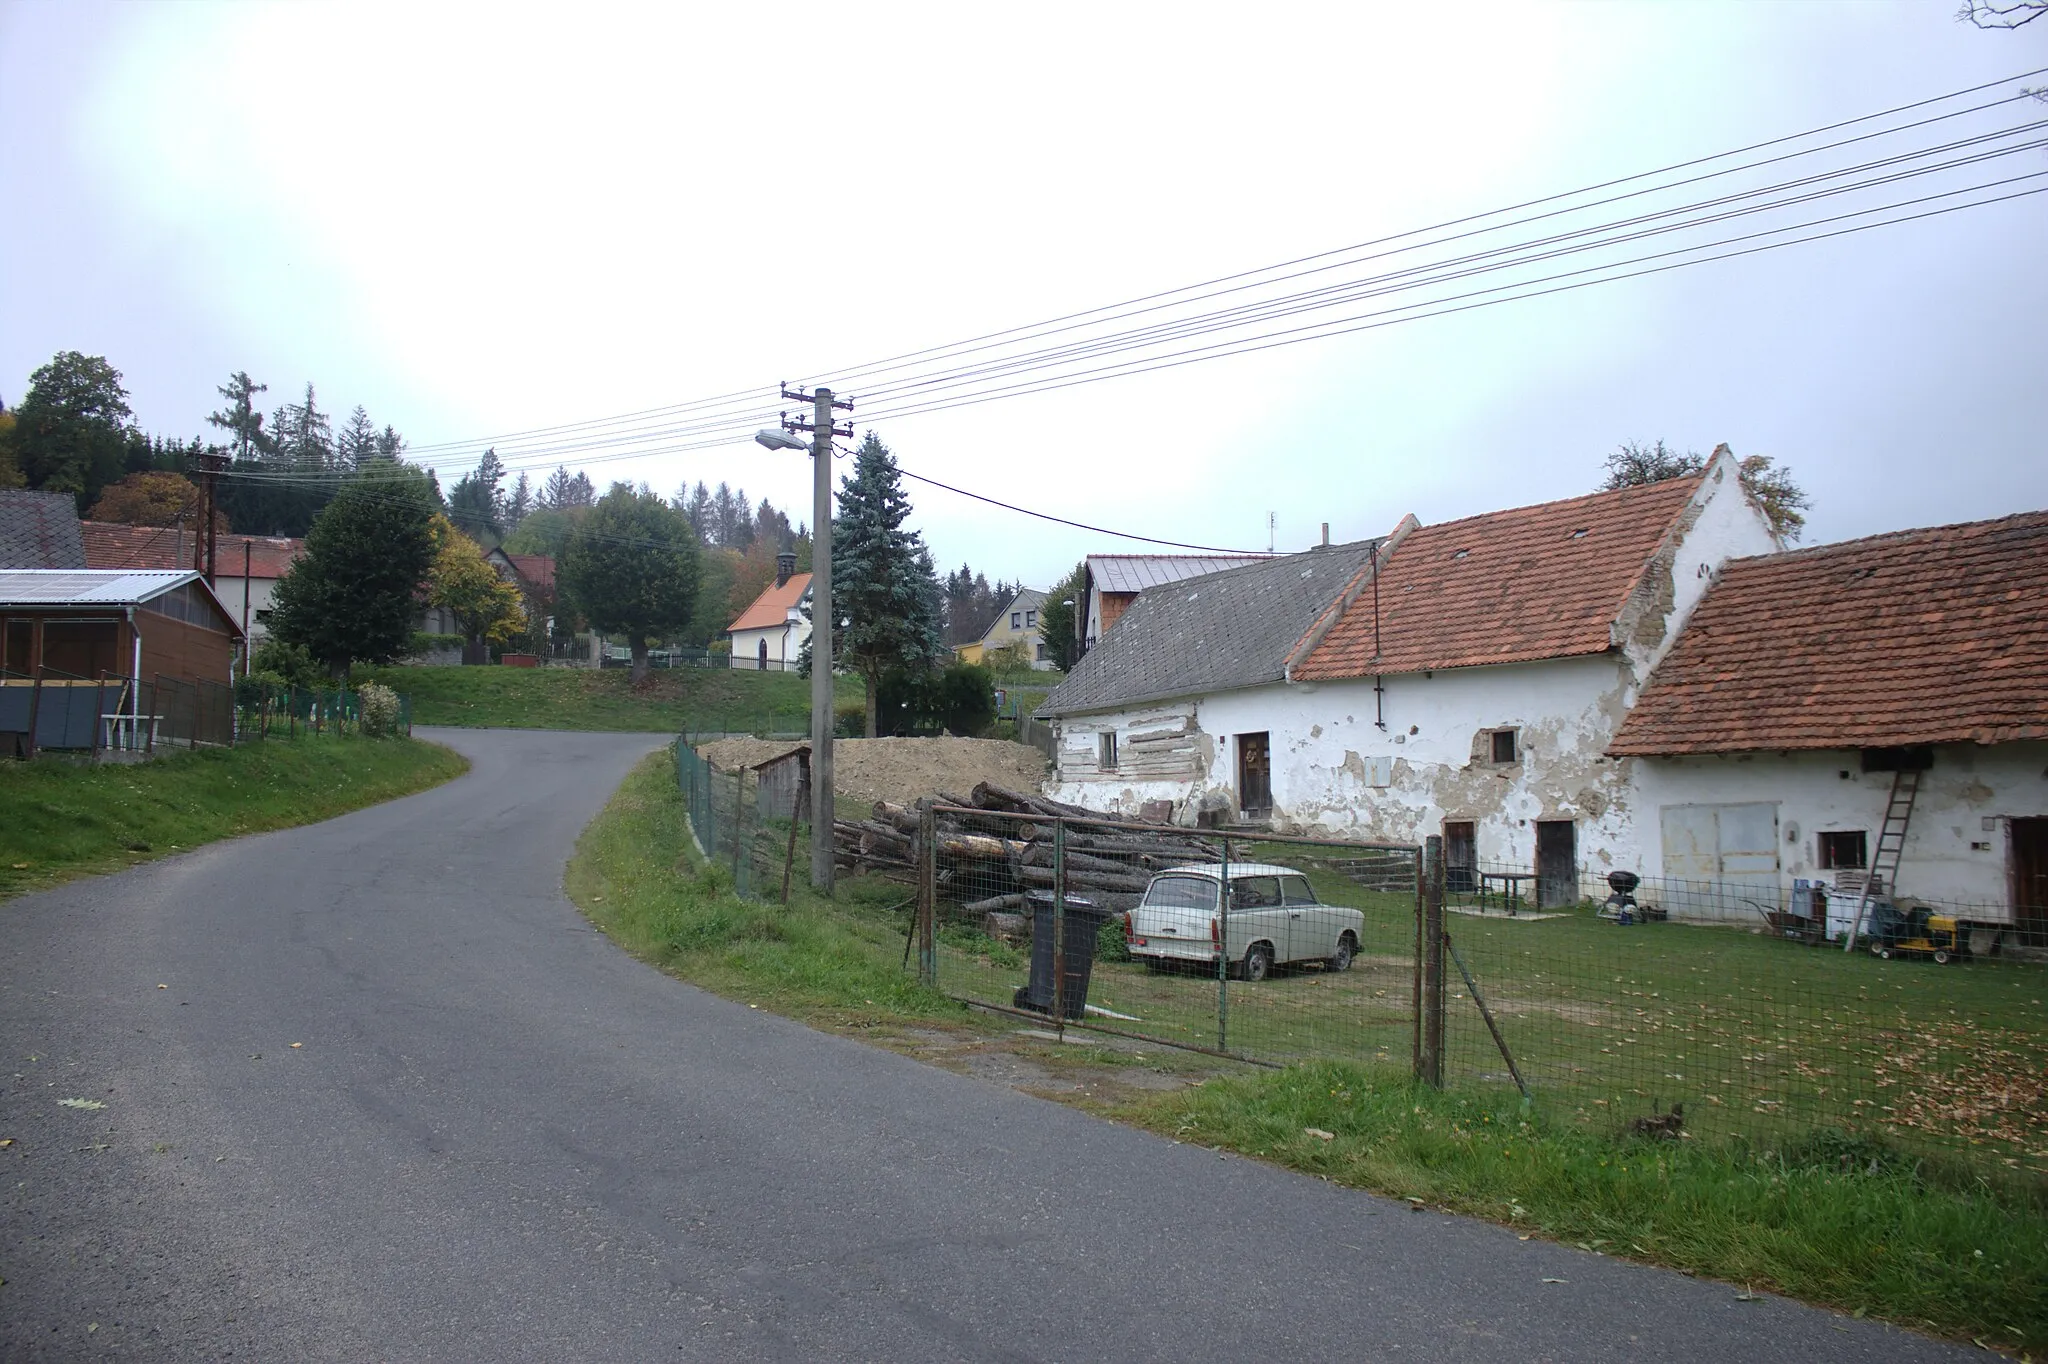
column 499, row 1138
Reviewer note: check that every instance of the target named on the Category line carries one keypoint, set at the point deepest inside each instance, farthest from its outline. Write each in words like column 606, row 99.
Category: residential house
column 39, row 530
column 1015, row 624
column 1111, row 582
column 1462, row 679
column 769, row 635
column 1810, row 688
column 534, row 576
column 247, row 566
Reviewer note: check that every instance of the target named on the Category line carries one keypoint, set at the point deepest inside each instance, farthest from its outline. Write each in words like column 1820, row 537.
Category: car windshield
column 1182, row 892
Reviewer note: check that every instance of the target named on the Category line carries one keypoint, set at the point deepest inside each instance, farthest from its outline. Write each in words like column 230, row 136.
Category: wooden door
column 1557, row 863
column 1461, row 856
column 2030, row 880
column 1254, row 775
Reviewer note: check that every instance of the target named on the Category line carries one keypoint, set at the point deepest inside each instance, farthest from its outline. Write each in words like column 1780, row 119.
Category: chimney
column 785, row 564
column 1326, row 535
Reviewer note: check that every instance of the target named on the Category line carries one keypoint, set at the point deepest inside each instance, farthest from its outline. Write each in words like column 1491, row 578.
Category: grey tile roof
column 1136, row 572
column 39, row 530
column 1215, row 633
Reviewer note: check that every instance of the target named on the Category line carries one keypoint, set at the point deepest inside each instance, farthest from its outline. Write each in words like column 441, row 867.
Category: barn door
column 1254, row 775
column 1557, row 863
column 2030, row 880
column 1461, row 856
column 1727, row 854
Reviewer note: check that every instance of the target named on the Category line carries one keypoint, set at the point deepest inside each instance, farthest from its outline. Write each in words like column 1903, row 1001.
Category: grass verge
column 66, row 820
column 705, row 699
column 636, row 876
column 1843, row 1222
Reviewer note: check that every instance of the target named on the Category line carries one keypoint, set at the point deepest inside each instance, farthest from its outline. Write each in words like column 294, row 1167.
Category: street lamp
column 776, row 440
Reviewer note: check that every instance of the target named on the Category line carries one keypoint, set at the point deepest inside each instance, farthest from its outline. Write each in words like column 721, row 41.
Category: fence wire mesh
column 1764, row 1028
column 751, row 819
column 1264, row 948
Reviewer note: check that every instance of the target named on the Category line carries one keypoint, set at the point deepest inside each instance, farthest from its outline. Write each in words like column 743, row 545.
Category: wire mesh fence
column 1631, row 1003
column 122, row 718
column 753, row 820
column 1263, row 948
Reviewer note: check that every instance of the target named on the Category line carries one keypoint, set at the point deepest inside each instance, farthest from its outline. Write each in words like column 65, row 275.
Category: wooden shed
column 88, row 623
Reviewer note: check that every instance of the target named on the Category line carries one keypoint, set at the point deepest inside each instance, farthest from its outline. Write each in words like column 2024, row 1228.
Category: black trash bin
column 1084, row 920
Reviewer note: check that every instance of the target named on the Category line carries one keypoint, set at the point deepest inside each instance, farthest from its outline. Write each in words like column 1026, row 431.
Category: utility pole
column 203, row 543
column 822, row 619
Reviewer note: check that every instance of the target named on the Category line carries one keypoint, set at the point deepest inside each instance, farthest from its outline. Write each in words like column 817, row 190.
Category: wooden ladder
column 1891, row 845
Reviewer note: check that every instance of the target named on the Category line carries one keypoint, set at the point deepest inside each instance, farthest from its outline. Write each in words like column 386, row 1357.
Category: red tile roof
column 538, row 570
column 1919, row 637
column 1547, row 581
column 772, row 606
column 111, row 545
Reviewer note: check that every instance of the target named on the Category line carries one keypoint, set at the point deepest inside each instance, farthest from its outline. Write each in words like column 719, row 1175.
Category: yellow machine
column 1916, row 931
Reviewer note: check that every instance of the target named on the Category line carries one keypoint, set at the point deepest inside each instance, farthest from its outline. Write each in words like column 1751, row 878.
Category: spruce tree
column 883, row 581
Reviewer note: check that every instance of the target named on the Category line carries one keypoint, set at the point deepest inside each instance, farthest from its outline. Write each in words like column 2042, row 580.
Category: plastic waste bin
column 1084, row 920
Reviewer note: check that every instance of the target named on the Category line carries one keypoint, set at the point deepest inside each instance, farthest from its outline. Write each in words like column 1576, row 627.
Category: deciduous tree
column 487, row 607
column 631, row 568
column 1782, row 502
column 1056, row 619
column 72, row 430
column 156, row 498
column 354, row 594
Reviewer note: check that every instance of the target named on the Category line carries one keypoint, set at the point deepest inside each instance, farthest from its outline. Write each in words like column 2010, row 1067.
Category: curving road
column 499, row 1138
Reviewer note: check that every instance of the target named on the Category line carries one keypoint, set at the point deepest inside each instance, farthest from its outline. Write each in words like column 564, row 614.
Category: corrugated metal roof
column 1136, row 572
column 87, row 586
column 1228, row 630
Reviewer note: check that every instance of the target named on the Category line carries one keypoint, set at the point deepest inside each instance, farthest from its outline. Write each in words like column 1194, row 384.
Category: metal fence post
column 1059, row 927
column 1431, row 1020
column 927, row 893
column 1223, row 951
column 739, row 818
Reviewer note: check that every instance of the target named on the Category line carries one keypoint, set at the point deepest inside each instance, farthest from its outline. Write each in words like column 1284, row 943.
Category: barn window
column 1844, row 851
column 1503, row 745
column 1105, row 751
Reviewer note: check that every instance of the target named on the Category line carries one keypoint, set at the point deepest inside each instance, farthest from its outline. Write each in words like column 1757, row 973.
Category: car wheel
column 1941, row 959
column 1258, row 962
column 1340, row 960
column 1884, row 952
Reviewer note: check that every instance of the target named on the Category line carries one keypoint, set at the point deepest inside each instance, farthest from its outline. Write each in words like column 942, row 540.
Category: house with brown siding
column 88, row 623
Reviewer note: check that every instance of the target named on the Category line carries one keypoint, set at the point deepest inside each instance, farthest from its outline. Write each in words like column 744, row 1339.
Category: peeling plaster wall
column 1327, row 750
column 1827, row 791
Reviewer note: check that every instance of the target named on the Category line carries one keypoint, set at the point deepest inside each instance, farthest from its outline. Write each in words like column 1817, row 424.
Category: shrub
column 379, row 710
column 252, row 691
column 291, row 664
column 424, row 642
column 1110, row 942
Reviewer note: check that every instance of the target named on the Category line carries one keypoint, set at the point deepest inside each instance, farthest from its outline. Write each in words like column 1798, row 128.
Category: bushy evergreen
column 352, row 596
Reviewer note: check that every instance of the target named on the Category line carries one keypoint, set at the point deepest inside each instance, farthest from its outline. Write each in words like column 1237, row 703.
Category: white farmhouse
column 1815, row 691
column 1462, row 679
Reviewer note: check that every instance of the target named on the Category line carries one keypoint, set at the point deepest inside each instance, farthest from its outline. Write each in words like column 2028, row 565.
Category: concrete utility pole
column 822, row 617
column 822, row 621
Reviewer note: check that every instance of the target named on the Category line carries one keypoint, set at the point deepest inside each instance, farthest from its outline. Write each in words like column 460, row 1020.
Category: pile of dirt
column 901, row 769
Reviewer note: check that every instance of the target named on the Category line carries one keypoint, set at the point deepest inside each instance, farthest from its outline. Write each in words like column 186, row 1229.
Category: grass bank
column 66, row 820
column 1838, row 1221
column 707, row 699
column 637, row 877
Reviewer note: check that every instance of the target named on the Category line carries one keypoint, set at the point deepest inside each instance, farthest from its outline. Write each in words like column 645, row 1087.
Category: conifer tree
column 883, row 581
column 352, row 595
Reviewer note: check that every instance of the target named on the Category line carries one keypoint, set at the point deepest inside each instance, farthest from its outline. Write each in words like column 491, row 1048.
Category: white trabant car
column 1274, row 919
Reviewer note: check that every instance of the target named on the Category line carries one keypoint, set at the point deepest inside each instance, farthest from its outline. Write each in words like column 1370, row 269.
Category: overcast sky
column 475, row 220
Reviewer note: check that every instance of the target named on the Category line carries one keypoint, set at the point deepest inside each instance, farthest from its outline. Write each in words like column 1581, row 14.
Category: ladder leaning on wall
column 1891, row 844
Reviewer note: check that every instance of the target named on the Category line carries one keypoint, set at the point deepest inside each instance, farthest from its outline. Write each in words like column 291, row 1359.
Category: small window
column 1294, row 889
column 1844, row 851
column 263, row 616
column 1030, row 620
column 1016, row 620
column 1105, row 751
column 1254, row 892
column 1504, row 748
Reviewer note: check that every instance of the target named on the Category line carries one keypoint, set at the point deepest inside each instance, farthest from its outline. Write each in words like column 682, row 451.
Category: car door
column 1257, row 915
column 1309, row 933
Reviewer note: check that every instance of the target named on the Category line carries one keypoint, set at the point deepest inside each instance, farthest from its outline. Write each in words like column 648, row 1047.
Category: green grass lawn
column 1857, row 1222
column 64, row 820
column 1757, row 1037
column 703, row 699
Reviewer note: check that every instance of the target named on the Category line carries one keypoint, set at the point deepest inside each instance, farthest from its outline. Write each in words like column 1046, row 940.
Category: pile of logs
column 996, row 845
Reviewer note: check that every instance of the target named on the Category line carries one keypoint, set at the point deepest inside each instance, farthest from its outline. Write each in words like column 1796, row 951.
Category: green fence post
column 1223, row 951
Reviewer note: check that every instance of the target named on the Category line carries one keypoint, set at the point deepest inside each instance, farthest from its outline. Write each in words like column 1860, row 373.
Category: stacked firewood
column 995, row 846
